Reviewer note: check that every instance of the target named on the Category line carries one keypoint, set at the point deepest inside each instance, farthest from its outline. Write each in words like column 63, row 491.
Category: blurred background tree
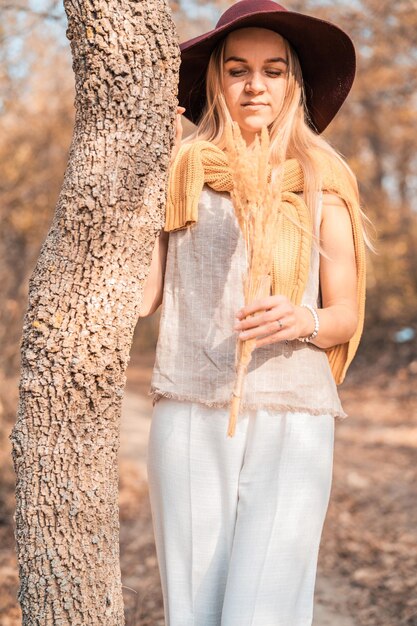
column 376, row 132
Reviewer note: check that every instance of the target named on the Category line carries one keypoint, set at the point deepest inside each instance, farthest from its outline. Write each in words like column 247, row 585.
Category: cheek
column 231, row 94
column 279, row 93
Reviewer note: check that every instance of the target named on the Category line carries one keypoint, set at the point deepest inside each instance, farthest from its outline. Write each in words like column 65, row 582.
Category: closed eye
column 236, row 73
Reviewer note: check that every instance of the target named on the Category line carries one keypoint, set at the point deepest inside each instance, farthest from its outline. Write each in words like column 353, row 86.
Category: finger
column 249, row 309
column 179, row 128
column 252, row 321
column 288, row 333
column 249, row 322
column 261, row 304
column 274, row 338
column 265, row 329
column 266, row 317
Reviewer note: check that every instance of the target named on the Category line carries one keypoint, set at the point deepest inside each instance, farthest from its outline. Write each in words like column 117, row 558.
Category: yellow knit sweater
column 202, row 162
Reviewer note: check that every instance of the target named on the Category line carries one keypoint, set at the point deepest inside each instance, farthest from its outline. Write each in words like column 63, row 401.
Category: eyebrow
column 273, row 60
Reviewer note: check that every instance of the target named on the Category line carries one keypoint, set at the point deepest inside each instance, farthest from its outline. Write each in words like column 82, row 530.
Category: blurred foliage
column 375, row 132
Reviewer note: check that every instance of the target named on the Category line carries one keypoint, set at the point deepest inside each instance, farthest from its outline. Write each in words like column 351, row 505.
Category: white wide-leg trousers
column 238, row 520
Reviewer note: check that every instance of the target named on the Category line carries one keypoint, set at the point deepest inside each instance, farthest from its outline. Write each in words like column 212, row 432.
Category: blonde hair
column 290, row 133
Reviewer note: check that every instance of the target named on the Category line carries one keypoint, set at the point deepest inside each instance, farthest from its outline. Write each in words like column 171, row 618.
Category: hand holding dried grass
column 257, row 207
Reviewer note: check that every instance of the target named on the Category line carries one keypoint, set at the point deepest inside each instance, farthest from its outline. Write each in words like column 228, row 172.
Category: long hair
column 291, row 133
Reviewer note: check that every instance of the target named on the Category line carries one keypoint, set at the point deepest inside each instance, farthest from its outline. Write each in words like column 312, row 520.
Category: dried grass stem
column 256, row 204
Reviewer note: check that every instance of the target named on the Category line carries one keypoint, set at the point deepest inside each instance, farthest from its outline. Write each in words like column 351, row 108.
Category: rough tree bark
column 84, row 298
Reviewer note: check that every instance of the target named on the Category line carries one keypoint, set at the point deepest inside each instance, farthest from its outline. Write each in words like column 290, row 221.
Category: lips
column 254, row 104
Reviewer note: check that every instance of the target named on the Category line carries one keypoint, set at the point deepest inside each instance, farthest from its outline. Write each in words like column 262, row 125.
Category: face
column 254, row 78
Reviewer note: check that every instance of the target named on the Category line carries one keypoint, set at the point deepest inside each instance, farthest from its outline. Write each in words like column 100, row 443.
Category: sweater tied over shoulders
column 202, row 162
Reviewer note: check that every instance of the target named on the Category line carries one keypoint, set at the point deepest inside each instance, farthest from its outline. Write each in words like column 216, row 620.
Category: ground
column 367, row 568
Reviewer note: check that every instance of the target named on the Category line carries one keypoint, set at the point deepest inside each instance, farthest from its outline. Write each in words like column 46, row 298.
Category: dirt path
column 368, row 556
column 330, row 609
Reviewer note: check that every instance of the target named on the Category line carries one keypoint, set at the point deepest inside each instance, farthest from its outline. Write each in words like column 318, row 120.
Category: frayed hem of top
column 272, row 406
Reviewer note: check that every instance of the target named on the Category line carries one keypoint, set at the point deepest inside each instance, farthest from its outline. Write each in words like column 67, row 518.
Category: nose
column 255, row 83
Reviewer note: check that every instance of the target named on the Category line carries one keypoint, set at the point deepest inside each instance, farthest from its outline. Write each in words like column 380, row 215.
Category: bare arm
column 338, row 278
column 154, row 284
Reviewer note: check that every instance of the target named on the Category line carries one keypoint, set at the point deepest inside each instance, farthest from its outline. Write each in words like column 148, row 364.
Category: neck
column 249, row 137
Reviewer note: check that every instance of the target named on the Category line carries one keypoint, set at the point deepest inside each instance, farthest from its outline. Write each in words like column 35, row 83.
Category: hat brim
column 326, row 53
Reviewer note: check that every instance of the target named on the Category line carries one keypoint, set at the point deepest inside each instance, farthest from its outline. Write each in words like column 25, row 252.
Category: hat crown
column 248, row 7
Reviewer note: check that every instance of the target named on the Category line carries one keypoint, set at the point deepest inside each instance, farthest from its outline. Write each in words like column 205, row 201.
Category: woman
column 238, row 520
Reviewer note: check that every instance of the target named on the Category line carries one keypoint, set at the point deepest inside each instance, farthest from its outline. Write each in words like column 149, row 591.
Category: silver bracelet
column 316, row 324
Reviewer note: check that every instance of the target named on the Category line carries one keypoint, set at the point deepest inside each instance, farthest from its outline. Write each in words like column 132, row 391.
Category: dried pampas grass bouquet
column 256, row 204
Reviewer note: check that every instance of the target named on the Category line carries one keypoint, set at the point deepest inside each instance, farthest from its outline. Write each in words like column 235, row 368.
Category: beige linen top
column 195, row 353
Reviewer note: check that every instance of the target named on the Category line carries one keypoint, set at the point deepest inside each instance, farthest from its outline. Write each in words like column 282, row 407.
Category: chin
column 257, row 124
column 256, row 128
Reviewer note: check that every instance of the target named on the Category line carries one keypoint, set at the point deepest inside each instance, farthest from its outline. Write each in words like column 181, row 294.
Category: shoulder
column 334, row 208
column 336, row 175
column 333, row 200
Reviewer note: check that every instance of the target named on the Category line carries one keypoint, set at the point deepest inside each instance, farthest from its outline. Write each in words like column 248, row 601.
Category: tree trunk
column 84, row 298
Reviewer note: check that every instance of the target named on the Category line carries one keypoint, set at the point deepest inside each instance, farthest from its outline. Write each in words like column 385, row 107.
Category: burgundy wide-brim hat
column 326, row 53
